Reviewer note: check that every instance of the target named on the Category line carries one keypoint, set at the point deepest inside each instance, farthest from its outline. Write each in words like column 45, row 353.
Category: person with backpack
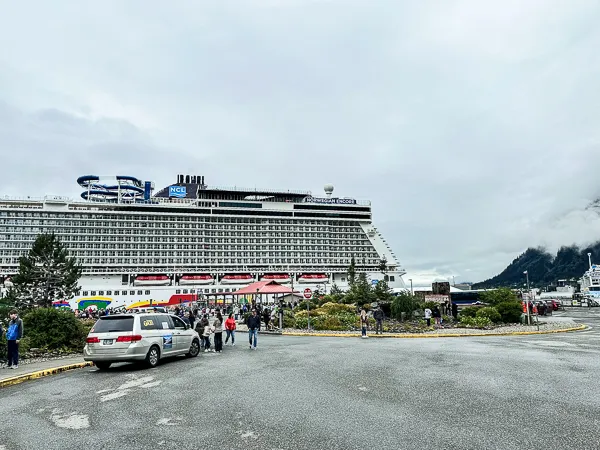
column 378, row 315
column 253, row 328
column 230, row 327
column 14, row 333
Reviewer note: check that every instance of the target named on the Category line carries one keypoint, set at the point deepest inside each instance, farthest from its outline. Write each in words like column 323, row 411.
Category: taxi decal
column 168, row 341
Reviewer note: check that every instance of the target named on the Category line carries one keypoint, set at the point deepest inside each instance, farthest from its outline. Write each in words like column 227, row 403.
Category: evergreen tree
column 362, row 290
column 352, row 272
column 335, row 289
column 382, row 292
column 46, row 274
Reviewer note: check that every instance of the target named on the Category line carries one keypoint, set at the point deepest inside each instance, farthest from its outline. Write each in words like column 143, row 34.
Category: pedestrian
column 206, row 334
column 266, row 317
column 364, row 323
column 253, row 328
column 437, row 316
column 14, row 333
column 200, row 327
column 218, row 330
column 428, row 316
column 378, row 315
column 230, row 326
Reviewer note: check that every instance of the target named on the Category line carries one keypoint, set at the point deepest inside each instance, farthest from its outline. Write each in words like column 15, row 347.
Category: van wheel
column 194, row 349
column 153, row 356
column 102, row 365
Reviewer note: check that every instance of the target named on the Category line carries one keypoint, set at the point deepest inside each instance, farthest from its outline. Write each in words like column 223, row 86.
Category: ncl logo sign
column 177, row 191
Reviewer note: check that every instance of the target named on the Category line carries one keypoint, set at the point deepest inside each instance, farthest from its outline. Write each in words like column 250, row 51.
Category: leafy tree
column 498, row 296
column 46, row 274
column 404, row 303
column 352, row 273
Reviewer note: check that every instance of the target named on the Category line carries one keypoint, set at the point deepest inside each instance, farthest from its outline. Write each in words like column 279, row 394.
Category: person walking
column 364, row 323
column 218, row 330
column 200, row 327
column 253, row 328
column 230, row 326
column 14, row 333
column 378, row 315
column 437, row 316
column 428, row 316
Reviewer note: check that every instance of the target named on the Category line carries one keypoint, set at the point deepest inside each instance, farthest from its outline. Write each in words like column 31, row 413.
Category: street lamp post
column 411, row 287
column 528, row 299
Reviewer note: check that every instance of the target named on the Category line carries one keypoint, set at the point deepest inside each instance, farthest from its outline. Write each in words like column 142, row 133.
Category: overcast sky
column 471, row 125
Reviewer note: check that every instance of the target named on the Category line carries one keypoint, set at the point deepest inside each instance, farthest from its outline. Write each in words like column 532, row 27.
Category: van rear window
column 114, row 323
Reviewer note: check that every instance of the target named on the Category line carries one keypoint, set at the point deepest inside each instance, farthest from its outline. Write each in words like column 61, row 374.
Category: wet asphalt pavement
column 523, row 392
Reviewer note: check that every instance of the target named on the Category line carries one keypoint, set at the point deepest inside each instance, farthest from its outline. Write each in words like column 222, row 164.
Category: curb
column 41, row 373
column 429, row 336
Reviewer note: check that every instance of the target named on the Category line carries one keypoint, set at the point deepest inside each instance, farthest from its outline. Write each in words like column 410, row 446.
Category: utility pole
column 528, row 298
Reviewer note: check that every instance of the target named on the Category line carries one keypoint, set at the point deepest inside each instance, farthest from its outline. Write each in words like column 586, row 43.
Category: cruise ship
column 194, row 242
column 590, row 281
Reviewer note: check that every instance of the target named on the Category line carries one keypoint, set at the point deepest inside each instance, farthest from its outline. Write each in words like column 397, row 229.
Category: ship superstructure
column 189, row 240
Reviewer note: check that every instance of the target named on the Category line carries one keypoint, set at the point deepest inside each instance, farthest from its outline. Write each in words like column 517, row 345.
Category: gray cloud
column 471, row 125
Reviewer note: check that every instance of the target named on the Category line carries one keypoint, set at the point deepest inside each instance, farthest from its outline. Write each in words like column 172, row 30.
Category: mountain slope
column 544, row 268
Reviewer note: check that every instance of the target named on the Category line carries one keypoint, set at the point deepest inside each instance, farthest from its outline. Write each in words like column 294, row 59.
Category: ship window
column 124, row 293
column 93, row 293
column 100, row 292
column 343, row 280
column 131, row 292
column 392, row 278
column 85, row 293
column 147, row 293
column 116, row 293
column 192, row 291
column 206, row 291
column 139, row 293
column 213, row 290
column 178, row 291
column 108, row 292
column 185, row 291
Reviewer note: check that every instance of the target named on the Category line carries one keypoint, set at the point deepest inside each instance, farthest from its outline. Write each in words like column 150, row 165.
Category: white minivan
column 139, row 337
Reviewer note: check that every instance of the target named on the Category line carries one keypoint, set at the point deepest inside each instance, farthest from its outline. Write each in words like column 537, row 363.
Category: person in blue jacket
column 14, row 333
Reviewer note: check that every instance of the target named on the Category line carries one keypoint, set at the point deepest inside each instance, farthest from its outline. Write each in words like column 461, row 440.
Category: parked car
column 139, row 337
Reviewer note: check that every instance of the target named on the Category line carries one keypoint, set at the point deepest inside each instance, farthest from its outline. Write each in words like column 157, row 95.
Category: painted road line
column 41, row 373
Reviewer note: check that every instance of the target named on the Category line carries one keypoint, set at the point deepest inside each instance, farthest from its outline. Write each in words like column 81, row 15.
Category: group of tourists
column 206, row 330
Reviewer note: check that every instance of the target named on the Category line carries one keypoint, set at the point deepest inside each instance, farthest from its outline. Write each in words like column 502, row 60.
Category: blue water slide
column 126, row 188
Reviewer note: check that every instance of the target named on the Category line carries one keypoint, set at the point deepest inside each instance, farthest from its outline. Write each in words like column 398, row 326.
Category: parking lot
column 521, row 392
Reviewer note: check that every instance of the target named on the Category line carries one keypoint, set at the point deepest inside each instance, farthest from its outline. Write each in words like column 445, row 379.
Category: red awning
column 264, row 287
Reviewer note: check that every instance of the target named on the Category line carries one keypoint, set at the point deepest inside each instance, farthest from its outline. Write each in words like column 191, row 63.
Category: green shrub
column 313, row 313
column 474, row 322
column 332, row 323
column 510, row 312
column 469, row 311
column 302, row 305
column 288, row 319
column 490, row 312
column 431, row 305
column 51, row 329
column 337, row 308
column 301, row 323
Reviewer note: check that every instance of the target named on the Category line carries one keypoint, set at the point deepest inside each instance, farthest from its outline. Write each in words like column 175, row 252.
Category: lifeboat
column 279, row 277
column 313, row 278
column 237, row 279
column 152, row 280
column 196, row 279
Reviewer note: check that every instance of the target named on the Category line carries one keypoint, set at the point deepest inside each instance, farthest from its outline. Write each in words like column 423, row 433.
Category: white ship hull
column 123, row 232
